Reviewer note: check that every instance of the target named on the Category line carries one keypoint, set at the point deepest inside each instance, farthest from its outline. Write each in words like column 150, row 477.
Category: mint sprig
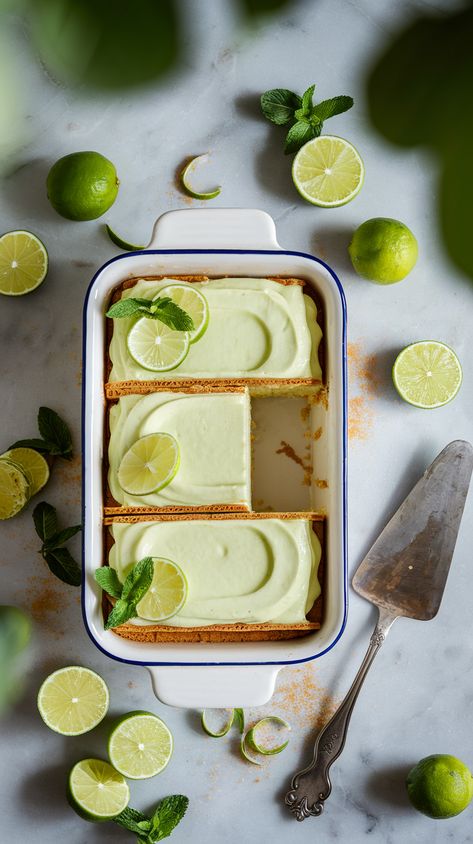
column 151, row 829
column 59, row 559
column 162, row 308
column 282, row 106
column 55, row 439
column 129, row 594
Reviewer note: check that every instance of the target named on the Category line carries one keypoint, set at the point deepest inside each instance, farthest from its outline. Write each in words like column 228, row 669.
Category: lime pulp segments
column 140, row 746
column 193, row 303
column 73, row 700
column 33, row 465
column 149, row 465
column 427, row 374
column 14, row 489
column 167, row 593
column 156, row 347
column 23, row 263
column 328, row 171
column 97, row 791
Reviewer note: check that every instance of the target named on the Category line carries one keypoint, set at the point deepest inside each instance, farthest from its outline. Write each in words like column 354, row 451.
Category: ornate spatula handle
column 311, row 786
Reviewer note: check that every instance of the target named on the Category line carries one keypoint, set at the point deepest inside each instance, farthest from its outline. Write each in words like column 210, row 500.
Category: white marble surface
column 418, row 697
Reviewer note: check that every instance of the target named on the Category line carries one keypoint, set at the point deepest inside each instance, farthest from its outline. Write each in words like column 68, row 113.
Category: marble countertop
column 417, row 699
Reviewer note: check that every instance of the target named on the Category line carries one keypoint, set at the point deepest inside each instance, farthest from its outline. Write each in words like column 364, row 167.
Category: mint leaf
column 63, row 565
column 172, row 315
column 307, row 100
column 167, row 815
column 55, row 432
column 107, row 578
column 133, row 821
column 45, row 520
column 298, row 135
column 121, row 613
column 128, row 307
column 279, row 105
column 329, row 108
column 138, row 581
column 37, row 444
column 62, row 536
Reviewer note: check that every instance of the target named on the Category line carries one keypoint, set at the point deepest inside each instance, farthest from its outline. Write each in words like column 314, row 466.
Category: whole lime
column 440, row 786
column 82, row 185
column 383, row 250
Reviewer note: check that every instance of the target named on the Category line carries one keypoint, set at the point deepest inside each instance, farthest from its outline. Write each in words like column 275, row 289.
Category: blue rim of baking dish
column 291, row 253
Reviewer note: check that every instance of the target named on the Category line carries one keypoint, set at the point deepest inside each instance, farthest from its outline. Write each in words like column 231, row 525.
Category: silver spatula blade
column 406, row 569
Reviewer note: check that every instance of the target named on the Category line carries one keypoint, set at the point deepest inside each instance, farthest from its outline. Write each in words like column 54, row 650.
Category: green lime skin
column 440, row 786
column 383, row 250
column 82, row 185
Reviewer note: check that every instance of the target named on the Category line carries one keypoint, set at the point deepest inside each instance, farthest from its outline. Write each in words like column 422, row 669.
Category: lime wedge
column 427, row 374
column 32, row 464
column 14, row 489
column 96, row 791
column 167, row 593
column 140, row 745
column 328, row 171
column 186, row 175
column 122, row 244
column 156, row 347
column 149, row 465
column 23, row 263
column 193, row 303
column 73, row 700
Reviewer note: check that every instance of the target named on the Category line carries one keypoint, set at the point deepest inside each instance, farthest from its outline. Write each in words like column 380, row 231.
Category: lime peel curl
column 188, row 169
column 122, row 244
column 218, row 733
column 251, row 741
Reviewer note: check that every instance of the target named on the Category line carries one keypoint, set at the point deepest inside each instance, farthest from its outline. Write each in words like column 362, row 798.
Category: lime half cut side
column 23, row 263
column 328, row 171
column 96, row 791
column 140, row 745
column 73, row 700
column 149, row 465
column 156, row 347
column 193, row 303
column 167, row 593
column 427, row 374
column 14, row 489
column 33, row 465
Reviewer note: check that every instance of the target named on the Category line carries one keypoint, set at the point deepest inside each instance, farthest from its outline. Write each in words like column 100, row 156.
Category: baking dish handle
column 215, row 228
column 214, row 686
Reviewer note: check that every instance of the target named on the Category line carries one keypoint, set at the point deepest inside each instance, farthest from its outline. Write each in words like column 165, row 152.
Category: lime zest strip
column 244, row 751
column 254, row 744
column 218, row 733
column 240, row 719
column 188, row 170
column 122, row 244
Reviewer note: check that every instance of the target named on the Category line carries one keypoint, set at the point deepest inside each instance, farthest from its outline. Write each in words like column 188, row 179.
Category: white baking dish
column 238, row 242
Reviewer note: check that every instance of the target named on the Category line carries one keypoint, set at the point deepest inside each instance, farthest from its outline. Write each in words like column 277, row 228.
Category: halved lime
column 23, row 263
column 149, row 465
column 192, row 302
column 33, row 465
column 328, row 171
column 96, row 791
column 140, row 745
column 14, row 489
column 167, row 593
column 156, row 347
column 186, row 176
column 73, row 700
column 427, row 374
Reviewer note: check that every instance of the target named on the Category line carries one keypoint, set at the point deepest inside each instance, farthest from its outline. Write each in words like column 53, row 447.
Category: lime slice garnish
column 328, row 171
column 23, row 263
column 187, row 172
column 32, row 464
column 149, row 465
column 166, row 594
column 224, row 729
column 123, row 244
column 193, row 303
column 427, row 374
column 96, row 791
column 73, row 700
column 156, row 347
column 14, row 489
column 140, row 745
column 252, row 741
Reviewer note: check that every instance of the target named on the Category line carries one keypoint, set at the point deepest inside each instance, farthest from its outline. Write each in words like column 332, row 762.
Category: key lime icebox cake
column 186, row 556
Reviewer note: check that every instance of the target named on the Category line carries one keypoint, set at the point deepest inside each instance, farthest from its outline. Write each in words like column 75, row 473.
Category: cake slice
column 261, row 332
column 249, row 575
column 212, row 431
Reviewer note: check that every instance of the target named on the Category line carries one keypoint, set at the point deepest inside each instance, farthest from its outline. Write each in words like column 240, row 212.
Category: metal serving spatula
column 404, row 574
